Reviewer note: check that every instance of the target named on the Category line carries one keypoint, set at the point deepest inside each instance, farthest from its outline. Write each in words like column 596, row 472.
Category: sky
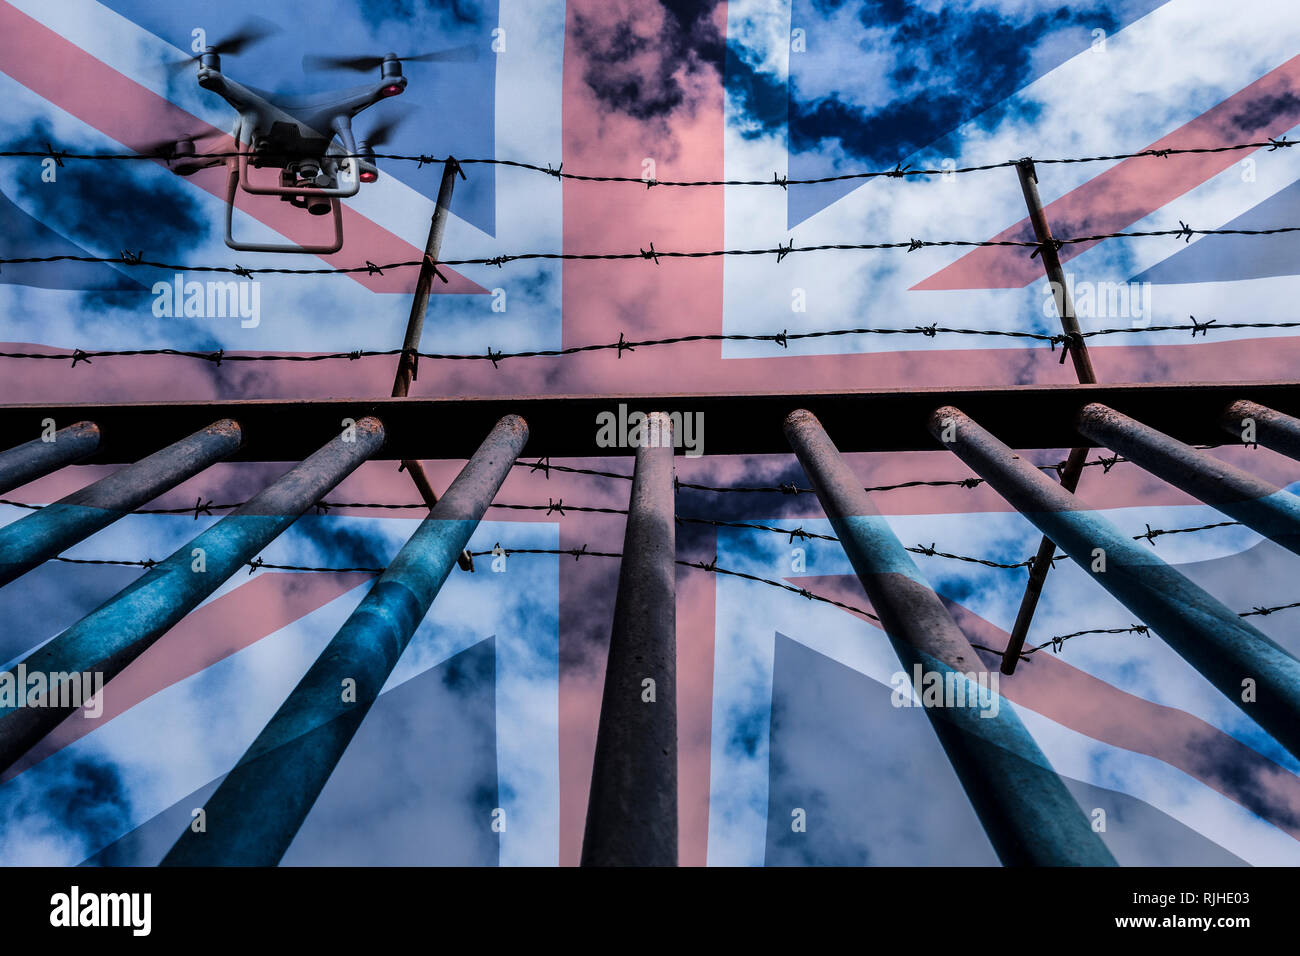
column 783, row 702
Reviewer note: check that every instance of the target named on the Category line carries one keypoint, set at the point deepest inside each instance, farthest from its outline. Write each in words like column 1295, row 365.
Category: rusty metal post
column 1028, row 814
column 1254, row 502
column 104, row 642
column 26, row 543
column 1055, row 274
column 1070, row 474
column 1270, row 428
column 632, row 806
column 38, row 457
column 409, row 360
column 406, row 366
column 257, row 810
column 1077, row 346
column 1203, row 631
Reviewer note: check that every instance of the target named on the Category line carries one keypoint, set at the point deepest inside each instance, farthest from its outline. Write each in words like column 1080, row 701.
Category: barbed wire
column 557, row 172
column 623, row 344
column 1057, row 642
column 576, row 553
column 558, row 507
column 137, row 259
column 789, row 488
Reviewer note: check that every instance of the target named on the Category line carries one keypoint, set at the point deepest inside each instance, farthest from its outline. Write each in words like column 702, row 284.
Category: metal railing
column 632, row 814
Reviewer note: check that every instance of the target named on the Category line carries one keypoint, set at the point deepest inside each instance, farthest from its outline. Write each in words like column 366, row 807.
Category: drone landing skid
column 232, row 189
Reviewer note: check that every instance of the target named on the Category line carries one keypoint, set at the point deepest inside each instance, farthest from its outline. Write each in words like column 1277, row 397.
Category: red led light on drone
column 392, row 89
column 368, row 177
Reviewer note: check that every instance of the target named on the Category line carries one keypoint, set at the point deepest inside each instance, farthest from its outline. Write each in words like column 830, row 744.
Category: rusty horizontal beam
column 1030, row 416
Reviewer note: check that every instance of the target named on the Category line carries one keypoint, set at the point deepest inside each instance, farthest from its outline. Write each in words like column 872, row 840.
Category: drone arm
column 343, row 128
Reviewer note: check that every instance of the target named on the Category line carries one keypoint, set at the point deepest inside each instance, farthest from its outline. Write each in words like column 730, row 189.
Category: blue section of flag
column 1227, row 258
column 857, row 788
column 417, row 786
column 24, row 236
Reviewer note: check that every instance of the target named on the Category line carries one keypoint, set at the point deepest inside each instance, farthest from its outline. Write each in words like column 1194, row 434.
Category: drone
column 309, row 139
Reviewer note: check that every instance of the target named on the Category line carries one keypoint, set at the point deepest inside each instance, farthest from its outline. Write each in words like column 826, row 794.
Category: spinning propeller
column 361, row 64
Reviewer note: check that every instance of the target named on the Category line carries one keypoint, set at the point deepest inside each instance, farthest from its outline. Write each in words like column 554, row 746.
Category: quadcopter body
column 309, row 139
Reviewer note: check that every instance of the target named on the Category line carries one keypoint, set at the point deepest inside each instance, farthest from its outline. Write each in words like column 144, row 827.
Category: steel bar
column 109, row 638
column 1269, row 428
column 406, row 365
column 1256, row 503
column 407, row 362
column 26, row 543
column 257, row 810
column 1077, row 347
column 632, row 807
column 1038, row 570
column 1028, row 814
column 1027, row 416
column 1211, row 637
column 31, row 460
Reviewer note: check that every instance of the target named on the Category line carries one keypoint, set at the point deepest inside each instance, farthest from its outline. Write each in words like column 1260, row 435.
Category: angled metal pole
column 632, row 806
column 38, row 457
column 257, row 810
column 1077, row 346
column 104, row 642
column 1070, row 474
column 409, row 360
column 1253, row 672
column 1256, row 503
column 1269, row 428
column 28, row 542
column 1028, row 814
column 406, row 366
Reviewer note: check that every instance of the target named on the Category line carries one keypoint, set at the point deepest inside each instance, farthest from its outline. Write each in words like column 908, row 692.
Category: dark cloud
column 115, row 205
column 980, row 57
column 638, row 73
column 949, row 68
column 84, row 799
column 1261, row 109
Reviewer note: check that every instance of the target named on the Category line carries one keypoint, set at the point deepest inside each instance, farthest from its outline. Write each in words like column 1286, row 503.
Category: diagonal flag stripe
column 1137, row 187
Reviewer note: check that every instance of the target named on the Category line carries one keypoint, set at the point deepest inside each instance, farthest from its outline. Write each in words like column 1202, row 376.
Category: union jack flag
column 783, row 703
